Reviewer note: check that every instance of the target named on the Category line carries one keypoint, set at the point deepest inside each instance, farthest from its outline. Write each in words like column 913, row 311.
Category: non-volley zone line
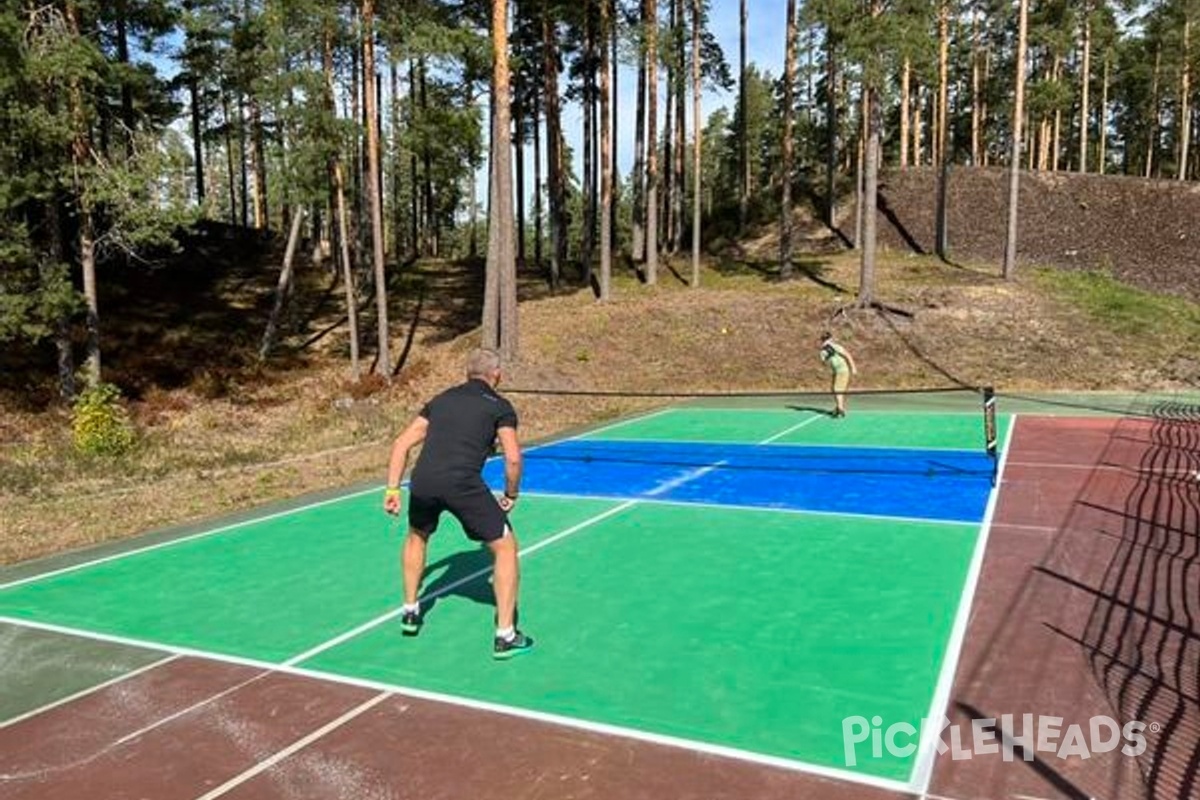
column 560, row 720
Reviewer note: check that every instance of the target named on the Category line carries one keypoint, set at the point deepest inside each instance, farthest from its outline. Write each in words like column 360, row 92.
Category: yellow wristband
column 391, row 491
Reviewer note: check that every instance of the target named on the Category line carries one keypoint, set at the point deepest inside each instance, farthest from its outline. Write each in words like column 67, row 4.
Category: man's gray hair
column 482, row 363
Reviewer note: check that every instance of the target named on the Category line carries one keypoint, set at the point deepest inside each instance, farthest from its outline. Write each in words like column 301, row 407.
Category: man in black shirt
column 459, row 429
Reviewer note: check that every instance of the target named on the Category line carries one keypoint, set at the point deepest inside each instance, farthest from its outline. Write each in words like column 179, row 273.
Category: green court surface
column 787, row 426
column 743, row 630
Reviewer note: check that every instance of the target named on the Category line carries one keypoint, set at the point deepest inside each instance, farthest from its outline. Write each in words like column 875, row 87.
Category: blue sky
column 764, row 45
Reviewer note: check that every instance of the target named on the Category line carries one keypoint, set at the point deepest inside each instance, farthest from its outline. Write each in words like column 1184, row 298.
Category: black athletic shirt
column 462, row 433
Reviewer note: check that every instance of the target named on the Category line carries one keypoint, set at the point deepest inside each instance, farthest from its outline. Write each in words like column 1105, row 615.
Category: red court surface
column 1088, row 605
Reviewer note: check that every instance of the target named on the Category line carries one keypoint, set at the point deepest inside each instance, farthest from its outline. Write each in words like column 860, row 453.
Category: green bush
column 99, row 423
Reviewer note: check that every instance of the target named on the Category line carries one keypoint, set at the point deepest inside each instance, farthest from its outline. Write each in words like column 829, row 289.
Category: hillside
column 218, row 432
column 1144, row 232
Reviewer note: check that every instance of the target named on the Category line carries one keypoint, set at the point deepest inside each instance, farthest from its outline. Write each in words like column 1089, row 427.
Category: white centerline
column 374, row 623
column 296, row 746
column 795, row 427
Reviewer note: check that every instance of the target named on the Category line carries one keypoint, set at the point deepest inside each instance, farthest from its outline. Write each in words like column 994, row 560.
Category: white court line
column 180, row 540
column 795, row 427
column 185, row 711
column 296, row 746
column 374, row 623
column 479, row 705
column 927, row 752
column 686, row 477
column 696, row 474
column 618, row 424
column 62, row 701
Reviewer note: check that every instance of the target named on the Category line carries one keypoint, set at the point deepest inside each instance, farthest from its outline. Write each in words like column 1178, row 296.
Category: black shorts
column 475, row 508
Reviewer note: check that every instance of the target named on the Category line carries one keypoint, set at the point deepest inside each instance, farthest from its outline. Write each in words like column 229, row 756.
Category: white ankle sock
column 407, row 607
column 505, row 633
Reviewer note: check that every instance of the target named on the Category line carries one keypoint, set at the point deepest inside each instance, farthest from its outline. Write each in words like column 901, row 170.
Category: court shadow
column 462, row 574
column 814, row 409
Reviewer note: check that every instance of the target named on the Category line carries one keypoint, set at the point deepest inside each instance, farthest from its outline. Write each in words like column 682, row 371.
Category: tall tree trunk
column 356, row 158
column 831, row 156
column 432, row 221
column 127, row 120
column 1085, row 85
column 651, row 27
column 500, row 299
column 337, row 176
column 698, row 129
column 1102, row 155
column 939, row 134
column 1014, row 175
column 283, row 288
column 606, row 167
column 415, row 222
column 538, row 207
column 744, row 132
column 942, row 138
column 243, row 161
column 860, row 176
column 87, row 261
column 976, row 88
column 395, row 162
column 1056, row 142
column 905, row 100
column 262, row 218
column 555, row 181
column 1152, row 138
column 65, row 355
column 518, row 112
column 230, row 161
column 383, row 365
column 918, row 126
column 679, row 187
column 1185, row 92
column 614, row 126
column 785, row 204
column 347, row 269
column 638, row 244
column 197, row 137
column 866, row 283
column 81, row 157
column 586, row 242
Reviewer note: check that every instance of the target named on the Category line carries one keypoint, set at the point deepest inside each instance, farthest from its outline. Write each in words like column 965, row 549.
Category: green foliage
column 1126, row 309
column 100, row 424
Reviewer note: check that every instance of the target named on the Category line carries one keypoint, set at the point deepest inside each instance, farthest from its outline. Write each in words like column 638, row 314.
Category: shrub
column 100, row 424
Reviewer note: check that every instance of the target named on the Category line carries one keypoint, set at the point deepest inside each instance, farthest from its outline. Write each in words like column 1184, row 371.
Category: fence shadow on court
column 1142, row 638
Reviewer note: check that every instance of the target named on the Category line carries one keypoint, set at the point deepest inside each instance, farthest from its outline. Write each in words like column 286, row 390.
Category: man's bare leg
column 505, row 578
column 413, row 560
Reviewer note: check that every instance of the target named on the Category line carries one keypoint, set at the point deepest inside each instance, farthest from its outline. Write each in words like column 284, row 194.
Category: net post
column 989, row 429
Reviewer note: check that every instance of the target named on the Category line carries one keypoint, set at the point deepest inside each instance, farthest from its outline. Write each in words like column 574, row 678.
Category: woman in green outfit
column 841, row 364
